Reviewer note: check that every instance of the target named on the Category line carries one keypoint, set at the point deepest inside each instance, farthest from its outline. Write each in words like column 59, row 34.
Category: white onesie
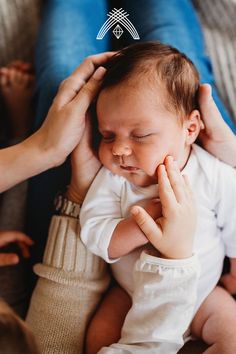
column 214, row 184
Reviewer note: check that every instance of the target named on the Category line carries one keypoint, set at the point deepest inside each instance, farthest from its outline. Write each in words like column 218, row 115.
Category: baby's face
column 138, row 132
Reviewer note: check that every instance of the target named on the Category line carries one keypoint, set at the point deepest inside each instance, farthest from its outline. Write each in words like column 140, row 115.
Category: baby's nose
column 121, row 149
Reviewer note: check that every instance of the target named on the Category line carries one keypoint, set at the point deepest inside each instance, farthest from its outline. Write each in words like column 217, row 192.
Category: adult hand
column 65, row 123
column 85, row 166
column 216, row 137
column 62, row 130
column 171, row 234
column 23, row 241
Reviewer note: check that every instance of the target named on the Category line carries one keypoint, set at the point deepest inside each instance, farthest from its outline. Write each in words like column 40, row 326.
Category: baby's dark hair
column 160, row 64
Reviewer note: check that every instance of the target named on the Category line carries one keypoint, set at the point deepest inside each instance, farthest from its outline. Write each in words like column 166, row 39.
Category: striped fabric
column 219, row 27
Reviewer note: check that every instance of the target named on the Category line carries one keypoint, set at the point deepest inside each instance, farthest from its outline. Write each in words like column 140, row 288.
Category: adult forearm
column 24, row 160
column 71, row 282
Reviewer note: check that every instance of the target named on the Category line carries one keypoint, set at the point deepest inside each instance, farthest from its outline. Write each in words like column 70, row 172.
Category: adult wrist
column 76, row 195
column 51, row 153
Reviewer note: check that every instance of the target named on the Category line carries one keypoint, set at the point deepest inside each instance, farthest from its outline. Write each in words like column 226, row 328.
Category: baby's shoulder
column 212, row 168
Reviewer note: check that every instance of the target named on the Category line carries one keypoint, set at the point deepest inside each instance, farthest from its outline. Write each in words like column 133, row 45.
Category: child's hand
column 22, row 241
column 171, row 234
column 228, row 281
column 153, row 208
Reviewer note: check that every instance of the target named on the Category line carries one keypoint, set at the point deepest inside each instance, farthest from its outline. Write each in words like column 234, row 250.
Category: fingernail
column 169, row 158
column 99, row 73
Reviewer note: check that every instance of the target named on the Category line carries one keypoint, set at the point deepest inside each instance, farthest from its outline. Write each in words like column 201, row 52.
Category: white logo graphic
column 118, row 16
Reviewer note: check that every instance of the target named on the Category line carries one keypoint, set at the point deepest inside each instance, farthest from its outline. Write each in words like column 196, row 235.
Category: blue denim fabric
column 67, row 35
column 175, row 22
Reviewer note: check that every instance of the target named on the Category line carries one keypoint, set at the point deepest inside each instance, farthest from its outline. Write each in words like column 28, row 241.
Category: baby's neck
column 183, row 162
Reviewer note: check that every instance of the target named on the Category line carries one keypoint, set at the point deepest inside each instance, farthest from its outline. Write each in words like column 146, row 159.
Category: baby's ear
column 193, row 126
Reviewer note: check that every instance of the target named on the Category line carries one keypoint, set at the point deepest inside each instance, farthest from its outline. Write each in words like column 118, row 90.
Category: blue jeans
column 67, row 35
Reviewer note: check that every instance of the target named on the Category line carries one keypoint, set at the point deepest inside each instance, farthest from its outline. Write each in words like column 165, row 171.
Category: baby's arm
column 127, row 235
column 104, row 230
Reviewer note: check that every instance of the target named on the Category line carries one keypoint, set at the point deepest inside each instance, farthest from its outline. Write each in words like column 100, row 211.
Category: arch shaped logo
column 118, row 17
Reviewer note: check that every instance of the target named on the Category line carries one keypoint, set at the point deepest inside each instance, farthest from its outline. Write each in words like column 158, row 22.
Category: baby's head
column 147, row 109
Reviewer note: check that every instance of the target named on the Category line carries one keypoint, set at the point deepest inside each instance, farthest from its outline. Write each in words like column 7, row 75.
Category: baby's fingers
column 148, row 226
column 176, row 179
column 166, row 193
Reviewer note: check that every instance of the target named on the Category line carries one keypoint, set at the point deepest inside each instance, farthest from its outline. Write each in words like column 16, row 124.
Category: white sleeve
column 163, row 306
column 100, row 213
column 225, row 192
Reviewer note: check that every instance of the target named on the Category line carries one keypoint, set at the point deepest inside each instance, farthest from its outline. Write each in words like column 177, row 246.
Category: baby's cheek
column 151, row 166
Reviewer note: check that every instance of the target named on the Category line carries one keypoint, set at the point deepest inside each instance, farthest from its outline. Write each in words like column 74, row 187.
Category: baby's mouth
column 129, row 168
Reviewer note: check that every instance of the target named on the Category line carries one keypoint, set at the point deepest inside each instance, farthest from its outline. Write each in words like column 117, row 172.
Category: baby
column 147, row 110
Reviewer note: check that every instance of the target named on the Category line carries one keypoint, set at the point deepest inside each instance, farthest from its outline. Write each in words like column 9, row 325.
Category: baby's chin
column 141, row 181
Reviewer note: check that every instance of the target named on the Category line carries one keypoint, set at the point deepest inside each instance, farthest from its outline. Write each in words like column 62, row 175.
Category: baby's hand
column 228, row 281
column 153, row 208
column 171, row 234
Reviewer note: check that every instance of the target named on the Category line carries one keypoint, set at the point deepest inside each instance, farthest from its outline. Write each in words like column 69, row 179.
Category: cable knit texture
column 70, row 286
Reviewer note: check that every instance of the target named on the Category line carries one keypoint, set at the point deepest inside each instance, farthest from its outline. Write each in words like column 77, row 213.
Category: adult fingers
column 8, row 259
column 89, row 91
column 145, row 222
column 211, row 116
column 71, row 86
column 7, row 237
column 88, row 66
